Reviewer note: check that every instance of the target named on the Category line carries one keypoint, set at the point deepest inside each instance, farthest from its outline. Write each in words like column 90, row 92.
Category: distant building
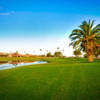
column 3, row 55
column 28, row 55
column 9, row 55
column 16, row 55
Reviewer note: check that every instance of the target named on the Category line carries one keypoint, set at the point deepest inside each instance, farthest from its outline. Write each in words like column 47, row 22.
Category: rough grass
column 60, row 79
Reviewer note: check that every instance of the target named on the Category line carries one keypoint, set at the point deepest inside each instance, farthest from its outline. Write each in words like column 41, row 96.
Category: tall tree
column 58, row 48
column 47, row 51
column 86, row 38
column 96, row 52
column 16, row 52
column 77, row 53
column 49, row 54
column 40, row 51
column 24, row 52
column 34, row 51
column 58, row 54
column 63, row 50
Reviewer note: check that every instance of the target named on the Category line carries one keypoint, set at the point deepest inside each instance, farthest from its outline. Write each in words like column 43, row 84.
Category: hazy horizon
column 28, row 26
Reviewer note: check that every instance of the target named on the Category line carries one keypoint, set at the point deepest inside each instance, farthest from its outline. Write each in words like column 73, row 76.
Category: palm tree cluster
column 48, row 54
column 87, row 38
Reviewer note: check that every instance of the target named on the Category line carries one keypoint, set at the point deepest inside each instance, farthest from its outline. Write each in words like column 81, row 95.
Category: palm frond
column 80, row 38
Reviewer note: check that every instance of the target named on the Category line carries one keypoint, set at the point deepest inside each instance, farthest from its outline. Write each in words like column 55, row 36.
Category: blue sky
column 28, row 25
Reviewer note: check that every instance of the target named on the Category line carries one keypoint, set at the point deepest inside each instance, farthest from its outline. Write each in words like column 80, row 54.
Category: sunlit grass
column 60, row 79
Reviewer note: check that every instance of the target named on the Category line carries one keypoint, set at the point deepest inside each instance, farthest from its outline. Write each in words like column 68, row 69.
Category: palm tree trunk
column 90, row 58
column 90, row 51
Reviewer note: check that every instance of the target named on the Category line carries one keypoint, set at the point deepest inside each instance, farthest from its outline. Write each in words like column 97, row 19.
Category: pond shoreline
column 11, row 64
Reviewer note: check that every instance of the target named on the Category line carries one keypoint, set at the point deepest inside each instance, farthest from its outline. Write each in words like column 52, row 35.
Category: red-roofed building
column 17, row 55
column 28, row 55
column 3, row 55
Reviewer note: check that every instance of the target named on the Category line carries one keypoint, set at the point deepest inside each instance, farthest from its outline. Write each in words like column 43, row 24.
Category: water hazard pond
column 12, row 64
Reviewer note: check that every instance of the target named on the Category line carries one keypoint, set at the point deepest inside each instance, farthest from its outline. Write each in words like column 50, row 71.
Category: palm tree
column 10, row 52
column 86, row 38
column 34, row 52
column 58, row 48
column 47, row 51
column 96, row 52
column 40, row 51
column 63, row 50
column 16, row 52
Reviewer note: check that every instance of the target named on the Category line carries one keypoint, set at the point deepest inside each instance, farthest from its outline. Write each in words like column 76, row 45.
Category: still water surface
column 7, row 65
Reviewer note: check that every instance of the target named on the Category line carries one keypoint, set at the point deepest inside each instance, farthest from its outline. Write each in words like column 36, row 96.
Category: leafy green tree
column 58, row 54
column 42, row 55
column 49, row 54
column 86, row 38
column 77, row 53
column 16, row 52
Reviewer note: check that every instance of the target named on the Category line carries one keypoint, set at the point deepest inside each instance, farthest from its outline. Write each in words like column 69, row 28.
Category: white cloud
column 4, row 13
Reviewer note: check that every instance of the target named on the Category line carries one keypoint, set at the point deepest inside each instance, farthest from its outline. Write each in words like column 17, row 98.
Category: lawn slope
column 60, row 79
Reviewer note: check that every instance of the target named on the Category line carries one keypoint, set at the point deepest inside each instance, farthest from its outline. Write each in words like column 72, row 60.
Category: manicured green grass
column 19, row 59
column 60, row 79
